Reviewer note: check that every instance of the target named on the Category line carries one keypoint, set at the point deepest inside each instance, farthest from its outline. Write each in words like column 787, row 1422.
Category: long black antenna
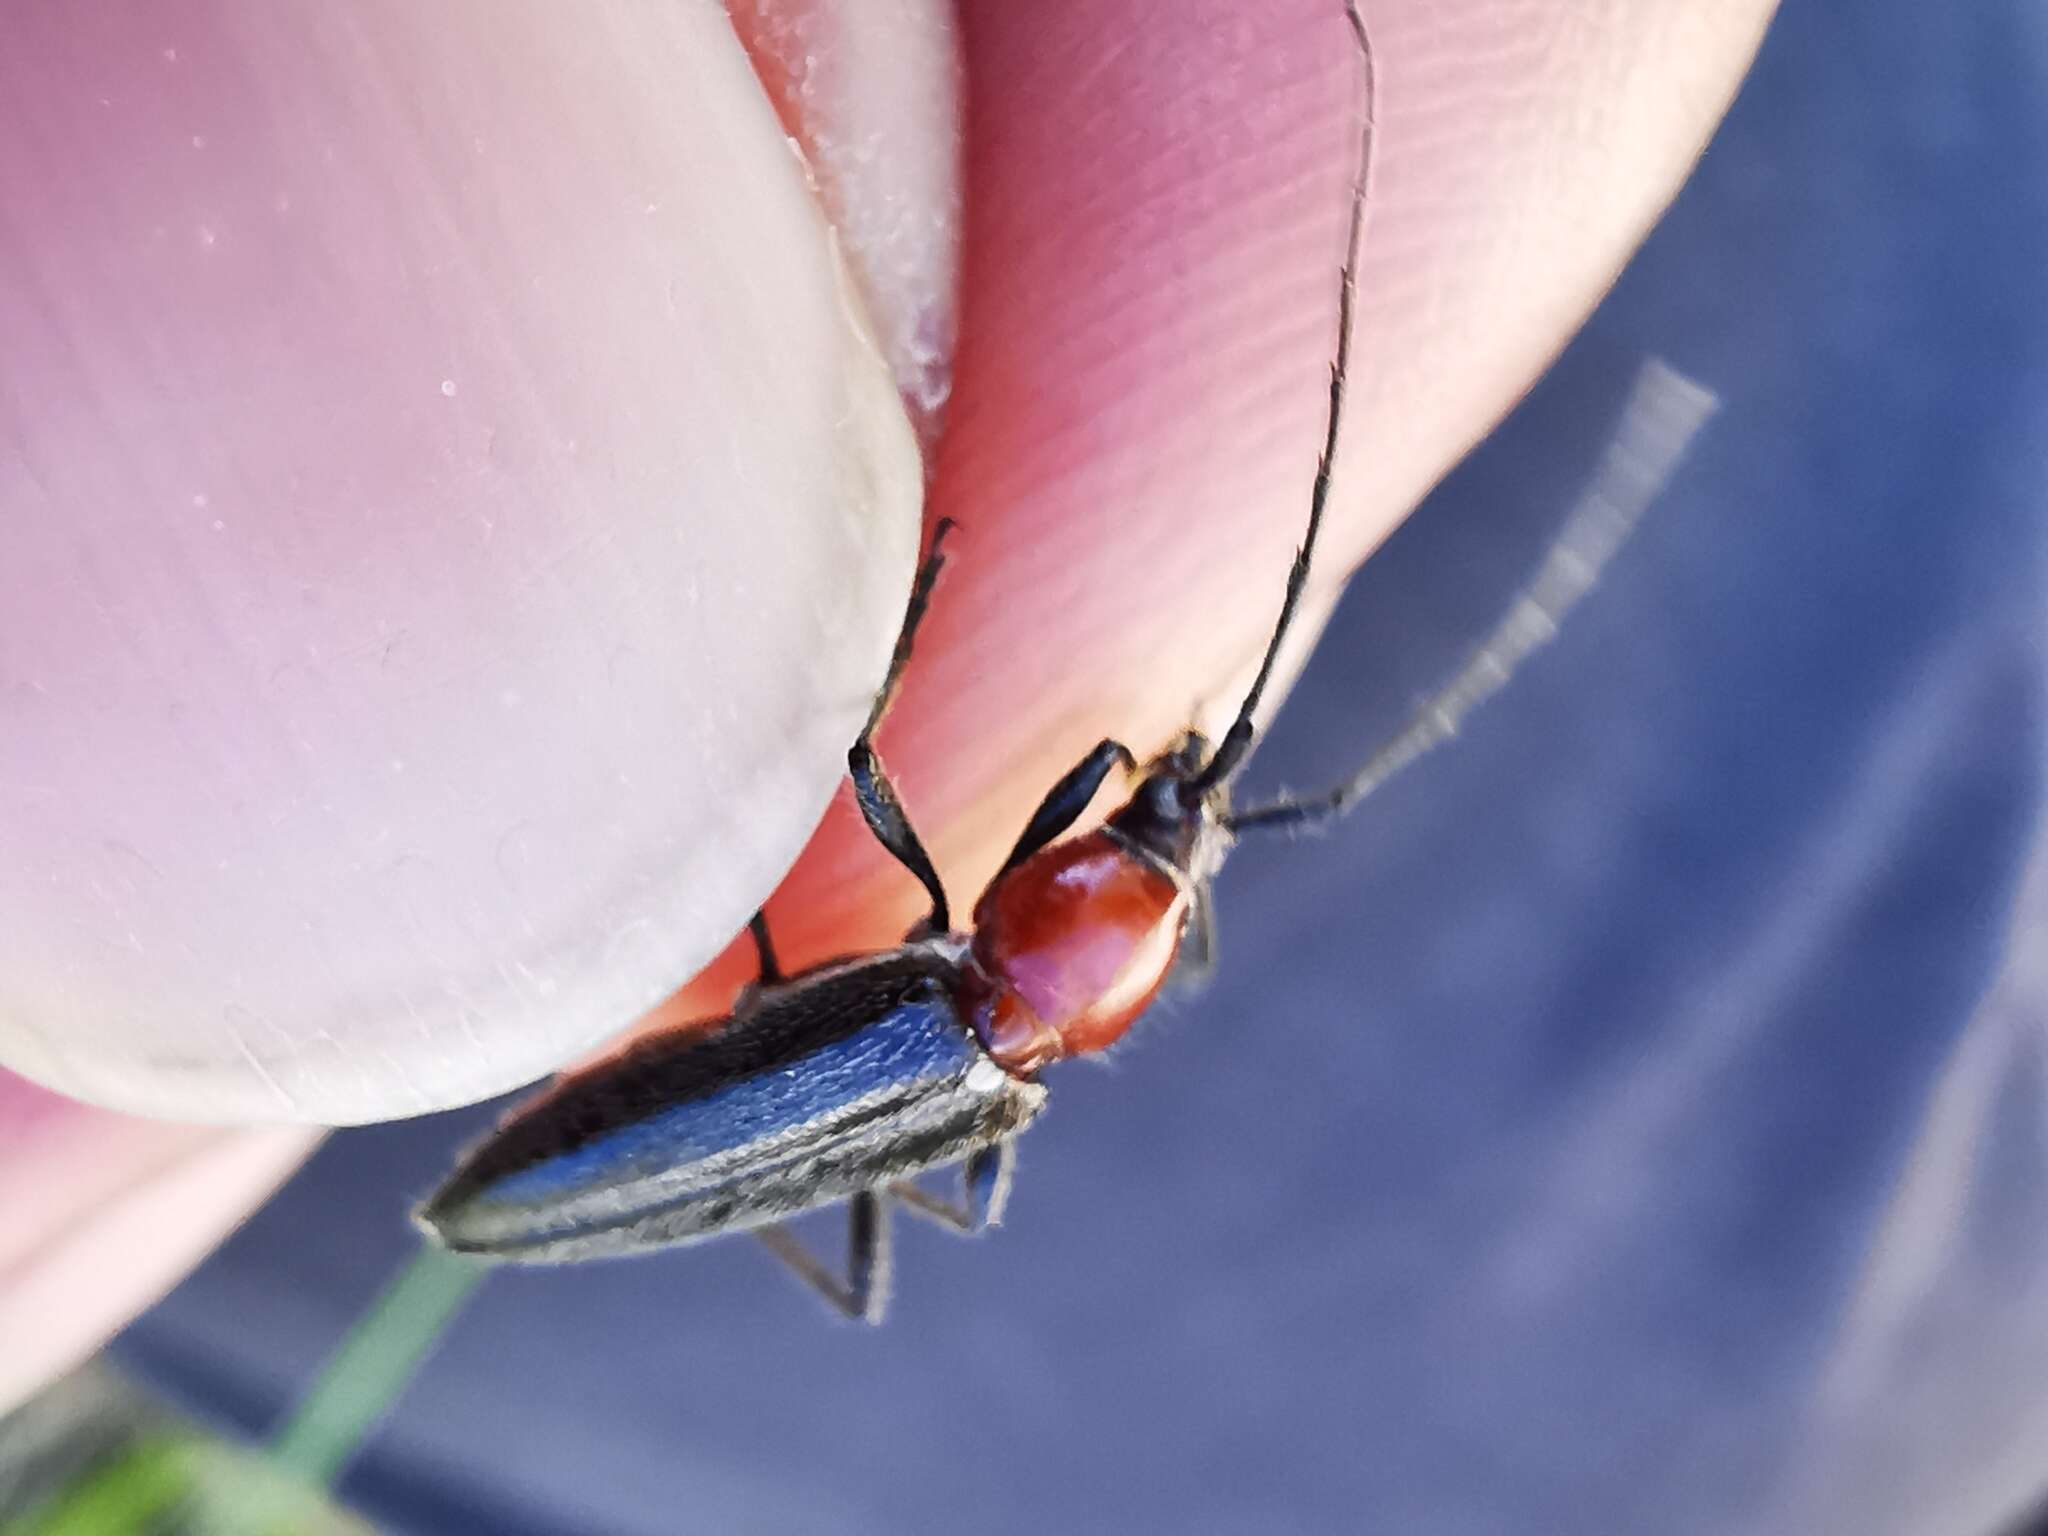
column 1237, row 741
column 1663, row 414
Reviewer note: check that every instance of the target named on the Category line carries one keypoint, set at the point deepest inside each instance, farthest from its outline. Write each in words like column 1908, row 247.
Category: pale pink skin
column 455, row 512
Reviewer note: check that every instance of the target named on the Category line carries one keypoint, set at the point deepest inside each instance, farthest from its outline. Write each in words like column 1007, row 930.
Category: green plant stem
column 373, row 1364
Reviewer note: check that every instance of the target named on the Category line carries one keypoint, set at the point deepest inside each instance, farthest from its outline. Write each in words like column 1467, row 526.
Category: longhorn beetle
column 845, row 1081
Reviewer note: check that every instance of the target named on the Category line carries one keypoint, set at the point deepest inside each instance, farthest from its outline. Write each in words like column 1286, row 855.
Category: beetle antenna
column 1664, row 412
column 1237, row 741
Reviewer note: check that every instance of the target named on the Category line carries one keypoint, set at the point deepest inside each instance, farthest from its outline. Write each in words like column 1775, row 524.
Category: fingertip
column 459, row 542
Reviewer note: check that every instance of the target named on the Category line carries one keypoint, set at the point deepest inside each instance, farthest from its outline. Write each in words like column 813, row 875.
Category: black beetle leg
column 863, row 1295
column 879, row 804
column 892, row 829
column 769, row 973
column 764, row 950
column 1067, row 799
column 985, row 1180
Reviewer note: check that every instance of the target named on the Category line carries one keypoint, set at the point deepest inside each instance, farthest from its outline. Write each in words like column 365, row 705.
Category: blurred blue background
column 1635, row 1120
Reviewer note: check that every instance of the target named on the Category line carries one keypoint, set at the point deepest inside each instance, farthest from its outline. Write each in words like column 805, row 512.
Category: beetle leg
column 764, row 951
column 768, row 975
column 985, row 1182
column 879, row 804
column 884, row 813
column 863, row 1295
column 1066, row 800
column 867, row 1256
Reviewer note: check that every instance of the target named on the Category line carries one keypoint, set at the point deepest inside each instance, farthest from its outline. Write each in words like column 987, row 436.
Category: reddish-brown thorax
column 1069, row 948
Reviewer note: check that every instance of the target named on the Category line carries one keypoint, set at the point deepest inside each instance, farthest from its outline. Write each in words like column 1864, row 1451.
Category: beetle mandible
column 845, row 1081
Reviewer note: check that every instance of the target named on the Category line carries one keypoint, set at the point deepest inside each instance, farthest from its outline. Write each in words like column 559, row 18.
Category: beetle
column 846, row 1081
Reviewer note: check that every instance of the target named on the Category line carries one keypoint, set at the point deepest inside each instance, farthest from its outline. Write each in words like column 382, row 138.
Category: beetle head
column 1170, row 818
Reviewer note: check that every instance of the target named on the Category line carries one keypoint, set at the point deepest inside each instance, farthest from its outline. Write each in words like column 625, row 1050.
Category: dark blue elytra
column 838, row 1081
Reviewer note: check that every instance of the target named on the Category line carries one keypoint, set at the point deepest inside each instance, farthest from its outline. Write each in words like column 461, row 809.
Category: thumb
column 455, row 520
